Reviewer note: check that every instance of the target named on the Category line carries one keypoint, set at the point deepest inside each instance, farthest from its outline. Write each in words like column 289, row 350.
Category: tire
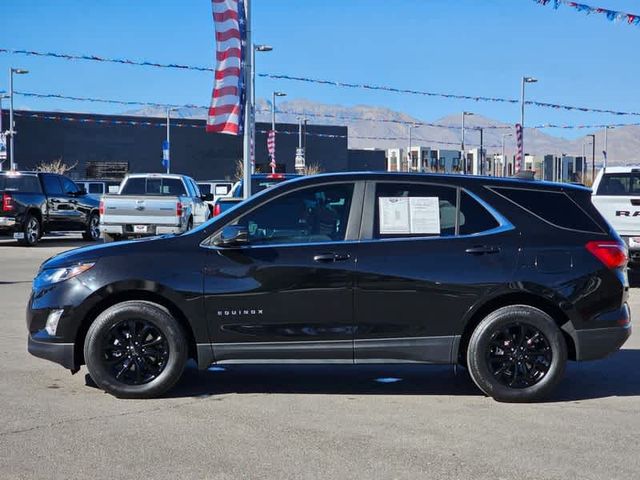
column 517, row 354
column 92, row 233
column 189, row 224
column 127, row 369
column 32, row 229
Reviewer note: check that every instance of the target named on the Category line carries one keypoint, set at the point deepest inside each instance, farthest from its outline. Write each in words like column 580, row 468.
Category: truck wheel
column 32, row 231
column 517, row 354
column 92, row 233
column 189, row 224
column 135, row 349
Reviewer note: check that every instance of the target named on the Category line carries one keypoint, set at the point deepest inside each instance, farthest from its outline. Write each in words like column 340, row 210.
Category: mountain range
column 378, row 127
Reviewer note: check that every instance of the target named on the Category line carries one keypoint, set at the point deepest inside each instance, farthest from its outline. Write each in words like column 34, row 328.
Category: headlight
column 57, row 275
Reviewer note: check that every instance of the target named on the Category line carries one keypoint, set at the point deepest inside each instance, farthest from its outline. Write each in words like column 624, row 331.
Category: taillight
column 216, row 209
column 611, row 253
column 7, row 202
column 179, row 209
column 101, row 208
column 278, row 176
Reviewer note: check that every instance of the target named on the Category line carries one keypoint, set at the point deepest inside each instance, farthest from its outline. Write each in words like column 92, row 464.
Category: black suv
column 34, row 203
column 509, row 278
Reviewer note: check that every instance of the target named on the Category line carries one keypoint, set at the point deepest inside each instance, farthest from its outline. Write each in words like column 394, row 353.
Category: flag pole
column 248, row 73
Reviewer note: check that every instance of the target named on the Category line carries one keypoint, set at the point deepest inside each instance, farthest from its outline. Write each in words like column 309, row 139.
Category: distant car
column 509, row 278
column 35, row 203
column 97, row 188
column 616, row 194
column 259, row 182
column 215, row 188
column 150, row 204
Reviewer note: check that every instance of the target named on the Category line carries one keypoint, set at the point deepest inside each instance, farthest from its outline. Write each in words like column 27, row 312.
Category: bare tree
column 55, row 166
column 312, row 169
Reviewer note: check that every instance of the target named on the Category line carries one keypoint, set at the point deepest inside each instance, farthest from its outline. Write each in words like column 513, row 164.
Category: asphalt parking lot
column 292, row 422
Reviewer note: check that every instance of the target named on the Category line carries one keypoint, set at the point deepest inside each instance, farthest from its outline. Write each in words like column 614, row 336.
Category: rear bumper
column 600, row 342
column 151, row 231
column 61, row 353
column 7, row 224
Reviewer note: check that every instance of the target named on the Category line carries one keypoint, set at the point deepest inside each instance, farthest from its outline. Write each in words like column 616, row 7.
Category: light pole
column 463, row 156
column 3, row 153
column 256, row 48
column 273, row 124
column 605, row 152
column 504, row 160
column 525, row 80
column 409, row 155
column 593, row 157
column 12, row 132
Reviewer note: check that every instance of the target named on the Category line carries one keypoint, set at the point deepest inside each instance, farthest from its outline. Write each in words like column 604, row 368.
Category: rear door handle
column 331, row 257
column 482, row 250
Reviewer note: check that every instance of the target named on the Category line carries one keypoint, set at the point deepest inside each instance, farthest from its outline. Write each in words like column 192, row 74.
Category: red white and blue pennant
column 611, row 15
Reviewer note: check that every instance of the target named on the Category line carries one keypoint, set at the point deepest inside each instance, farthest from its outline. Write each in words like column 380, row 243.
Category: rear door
column 423, row 262
column 59, row 208
column 77, row 211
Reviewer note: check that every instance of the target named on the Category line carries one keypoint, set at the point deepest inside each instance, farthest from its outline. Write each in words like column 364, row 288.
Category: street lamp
column 606, row 144
column 463, row 156
column 593, row 157
column 504, row 160
column 3, row 153
column 525, row 80
column 256, row 48
column 12, row 132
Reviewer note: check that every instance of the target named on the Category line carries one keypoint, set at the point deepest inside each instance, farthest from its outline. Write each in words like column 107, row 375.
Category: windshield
column 20, row 183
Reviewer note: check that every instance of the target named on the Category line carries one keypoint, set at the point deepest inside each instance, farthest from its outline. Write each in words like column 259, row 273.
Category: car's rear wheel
column 32, row 231
column 135, row 349
column 517, row 354
column 92, row 232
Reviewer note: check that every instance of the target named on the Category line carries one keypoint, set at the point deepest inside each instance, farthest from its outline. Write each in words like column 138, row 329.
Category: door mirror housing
column 232, row 236
column 80, row 193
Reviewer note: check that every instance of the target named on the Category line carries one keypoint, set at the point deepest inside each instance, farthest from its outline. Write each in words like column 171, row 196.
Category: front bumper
column 61, row 353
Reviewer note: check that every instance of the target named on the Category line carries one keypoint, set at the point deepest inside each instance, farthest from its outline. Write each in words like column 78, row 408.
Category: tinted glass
column 68, row 186
column 318, row 214
column 135, row 186
column 474, row 218
column 619, row 184
column 95, row 188
column 173, row 186
column 205, row 188
column 431, row 213
column 20, row 183
column 554, row 207
column 194, row 187
column 52, row 185
column 153, row 186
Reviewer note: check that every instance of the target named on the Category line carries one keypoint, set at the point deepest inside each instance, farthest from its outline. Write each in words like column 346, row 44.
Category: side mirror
column 207, row 197
column 81, row 192
column 232, row 236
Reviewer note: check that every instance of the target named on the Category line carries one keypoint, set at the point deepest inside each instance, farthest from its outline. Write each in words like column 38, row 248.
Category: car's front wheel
column 517, row 354
column 135, row 349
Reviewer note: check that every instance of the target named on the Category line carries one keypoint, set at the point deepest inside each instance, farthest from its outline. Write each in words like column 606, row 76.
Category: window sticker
column 409, row 215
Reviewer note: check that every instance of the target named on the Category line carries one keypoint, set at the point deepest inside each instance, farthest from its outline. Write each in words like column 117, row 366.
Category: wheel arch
column 504, row 300
column 128, row 295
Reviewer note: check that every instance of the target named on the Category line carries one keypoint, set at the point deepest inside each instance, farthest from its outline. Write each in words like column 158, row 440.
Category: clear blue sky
column 477, row 47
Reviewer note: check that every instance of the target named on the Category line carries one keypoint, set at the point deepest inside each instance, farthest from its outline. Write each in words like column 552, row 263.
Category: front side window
column 68, row 186
column 52, row 185
column 310, row 215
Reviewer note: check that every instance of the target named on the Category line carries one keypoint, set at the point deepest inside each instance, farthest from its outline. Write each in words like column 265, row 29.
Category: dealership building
column 109, row 146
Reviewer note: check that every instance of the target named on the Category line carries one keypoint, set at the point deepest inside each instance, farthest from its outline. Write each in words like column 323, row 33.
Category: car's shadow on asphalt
column 618, row 375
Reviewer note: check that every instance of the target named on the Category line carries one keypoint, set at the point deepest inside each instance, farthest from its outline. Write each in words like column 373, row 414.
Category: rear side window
column 95, row 188
column 205, row 188
column 52, row 185
column 20, row 183
column 474, row 218
column 554, row 207
column 619, row 184
column 414, row 210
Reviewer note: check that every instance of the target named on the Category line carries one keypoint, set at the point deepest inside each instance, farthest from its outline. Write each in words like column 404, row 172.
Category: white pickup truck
column 616, row 195
column 152, row 204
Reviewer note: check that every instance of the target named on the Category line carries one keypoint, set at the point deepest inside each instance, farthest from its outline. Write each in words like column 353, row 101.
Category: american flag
column 520, row 153
column 271, row 148
column 227, row 100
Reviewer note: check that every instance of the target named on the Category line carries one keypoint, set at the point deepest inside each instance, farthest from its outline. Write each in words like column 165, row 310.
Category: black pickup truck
column 34, row 203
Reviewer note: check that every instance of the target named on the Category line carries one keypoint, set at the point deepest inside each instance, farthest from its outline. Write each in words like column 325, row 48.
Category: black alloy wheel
column 135, row 351
column 519, row 355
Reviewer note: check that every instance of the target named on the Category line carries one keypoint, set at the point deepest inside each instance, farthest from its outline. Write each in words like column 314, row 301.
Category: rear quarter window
column 556, row 208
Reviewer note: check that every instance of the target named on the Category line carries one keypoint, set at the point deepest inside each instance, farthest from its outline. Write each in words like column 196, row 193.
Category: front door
column 288, row 294
column 421, row 267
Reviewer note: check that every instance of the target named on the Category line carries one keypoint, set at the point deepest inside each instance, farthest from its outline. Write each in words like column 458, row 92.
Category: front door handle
column 331, row 257
column 482, row 250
